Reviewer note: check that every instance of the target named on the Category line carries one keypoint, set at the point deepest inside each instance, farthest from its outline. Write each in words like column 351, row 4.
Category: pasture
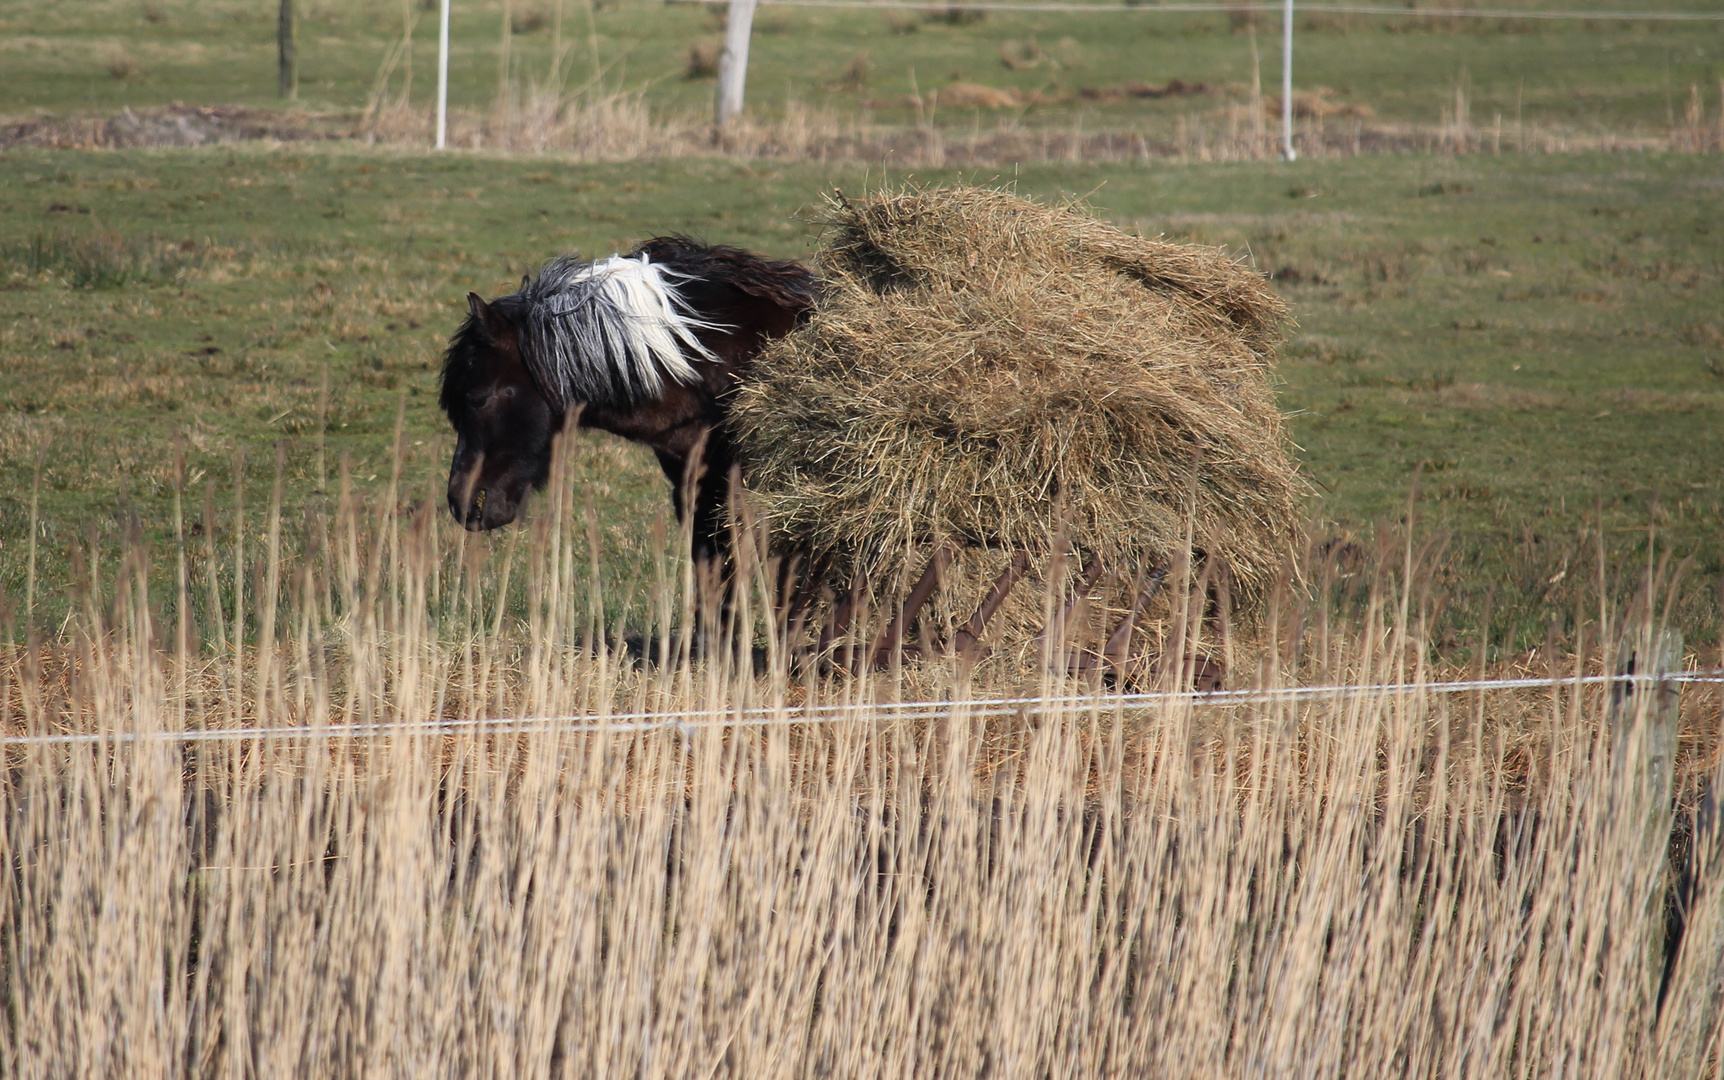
column 1536, row 337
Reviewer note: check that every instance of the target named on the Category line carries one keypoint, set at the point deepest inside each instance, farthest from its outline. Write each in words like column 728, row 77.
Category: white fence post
column 443, row 78
column 1287, row 150
column 733, row 61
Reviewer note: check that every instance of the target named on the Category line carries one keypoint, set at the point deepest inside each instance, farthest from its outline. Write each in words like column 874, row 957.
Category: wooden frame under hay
column 1015, row 377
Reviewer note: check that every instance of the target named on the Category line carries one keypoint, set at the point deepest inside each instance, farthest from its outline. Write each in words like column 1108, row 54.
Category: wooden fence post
column 1693, row 976
column 1643, row 718
column 1642, row 722
column 287, row 51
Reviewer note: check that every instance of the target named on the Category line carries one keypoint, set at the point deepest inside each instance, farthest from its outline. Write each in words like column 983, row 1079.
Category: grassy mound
column 986, row 369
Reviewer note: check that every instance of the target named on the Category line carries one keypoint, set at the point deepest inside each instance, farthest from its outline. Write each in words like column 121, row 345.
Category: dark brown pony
column 648, row 346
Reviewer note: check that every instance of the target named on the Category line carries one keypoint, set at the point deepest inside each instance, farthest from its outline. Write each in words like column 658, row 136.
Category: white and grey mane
column 610, row 331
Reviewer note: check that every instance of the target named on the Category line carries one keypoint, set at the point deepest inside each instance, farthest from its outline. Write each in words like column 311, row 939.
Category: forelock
column 462, row 361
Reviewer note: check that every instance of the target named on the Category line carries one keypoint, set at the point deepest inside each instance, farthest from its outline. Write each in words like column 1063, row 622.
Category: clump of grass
column 954, row 15
column 102, row 260
column 857, row 72
column 703, row 59
column 1365, row 884
column 902, row 24
column 120, row 64
column 531, row 21
column 1321, row 348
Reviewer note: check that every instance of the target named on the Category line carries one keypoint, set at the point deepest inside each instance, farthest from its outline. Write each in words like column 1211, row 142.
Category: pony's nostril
column 476, row 509
column 468, row 505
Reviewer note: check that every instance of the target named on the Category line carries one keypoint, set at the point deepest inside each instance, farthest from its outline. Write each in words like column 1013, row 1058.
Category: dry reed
column 1351, row 886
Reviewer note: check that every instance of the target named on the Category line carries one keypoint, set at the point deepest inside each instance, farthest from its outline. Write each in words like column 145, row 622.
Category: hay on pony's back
column 984, row 368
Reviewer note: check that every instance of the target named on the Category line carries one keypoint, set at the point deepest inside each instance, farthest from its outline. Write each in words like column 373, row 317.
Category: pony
column 648, row 345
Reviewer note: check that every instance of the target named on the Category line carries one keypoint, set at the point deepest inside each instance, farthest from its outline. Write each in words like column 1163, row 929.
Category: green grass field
column 1538, row 337
column 1577, row 76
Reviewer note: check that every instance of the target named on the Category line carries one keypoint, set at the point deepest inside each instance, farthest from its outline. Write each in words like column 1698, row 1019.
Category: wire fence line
column 688, row 722
column 1255, row 7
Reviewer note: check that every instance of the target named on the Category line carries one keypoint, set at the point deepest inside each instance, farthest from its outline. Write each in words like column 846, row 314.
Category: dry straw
column 1383, row 884
column 997, row 372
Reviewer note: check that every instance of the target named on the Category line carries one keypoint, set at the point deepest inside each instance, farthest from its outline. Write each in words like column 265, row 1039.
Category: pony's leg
column 700, row 492
column 805, row 591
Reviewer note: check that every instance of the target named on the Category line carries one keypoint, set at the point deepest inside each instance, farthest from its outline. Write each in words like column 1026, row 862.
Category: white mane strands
column 610, row 332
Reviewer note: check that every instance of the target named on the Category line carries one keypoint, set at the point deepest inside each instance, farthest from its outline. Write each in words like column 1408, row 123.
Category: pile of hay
column 983, row 368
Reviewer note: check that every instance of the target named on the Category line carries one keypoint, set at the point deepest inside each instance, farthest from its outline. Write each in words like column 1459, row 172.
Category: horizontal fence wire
column 1219, row 9
column 688, row 722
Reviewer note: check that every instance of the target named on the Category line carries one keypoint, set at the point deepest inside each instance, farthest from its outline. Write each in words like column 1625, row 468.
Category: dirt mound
column 175, row 126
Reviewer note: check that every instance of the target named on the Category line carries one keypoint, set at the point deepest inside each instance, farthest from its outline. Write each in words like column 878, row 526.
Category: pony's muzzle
column 470, row 512
column 468, row 500
column 473, row 517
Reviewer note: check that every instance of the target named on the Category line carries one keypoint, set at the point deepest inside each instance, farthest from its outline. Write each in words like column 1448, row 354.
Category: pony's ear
column 487, row 316
column 526, row 280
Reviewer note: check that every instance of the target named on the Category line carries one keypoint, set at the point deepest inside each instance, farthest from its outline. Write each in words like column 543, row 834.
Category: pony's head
column 504, row 422
column 608, row 336
column 647, row 346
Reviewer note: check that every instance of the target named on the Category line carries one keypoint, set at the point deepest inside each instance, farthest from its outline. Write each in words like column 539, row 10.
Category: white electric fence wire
column 686, row 722
column 1330, row 9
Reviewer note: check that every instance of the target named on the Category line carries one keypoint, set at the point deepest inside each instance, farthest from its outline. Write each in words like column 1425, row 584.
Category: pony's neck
column 651, row 344
column 614, row 333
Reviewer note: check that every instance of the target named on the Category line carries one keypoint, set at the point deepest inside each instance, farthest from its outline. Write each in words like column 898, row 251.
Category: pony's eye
column 478, row 401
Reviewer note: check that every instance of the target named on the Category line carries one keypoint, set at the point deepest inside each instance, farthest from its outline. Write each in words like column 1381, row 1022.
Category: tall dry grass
column 620, row 125
column 1365, row 884
column 597, row 125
